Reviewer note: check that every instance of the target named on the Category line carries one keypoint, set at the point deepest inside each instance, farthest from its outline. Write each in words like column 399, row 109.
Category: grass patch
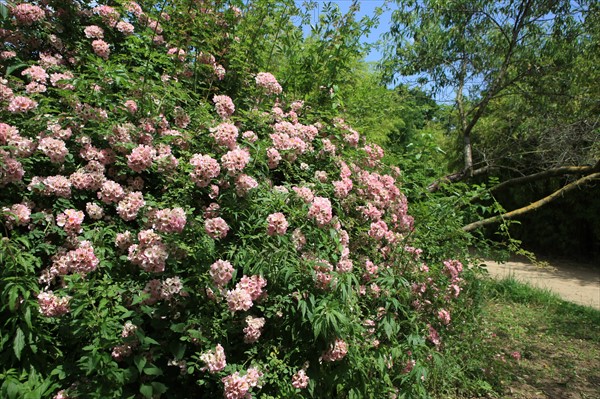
column 525, row 343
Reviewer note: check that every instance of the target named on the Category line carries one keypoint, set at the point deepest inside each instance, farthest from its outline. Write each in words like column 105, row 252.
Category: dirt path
column 575, row 282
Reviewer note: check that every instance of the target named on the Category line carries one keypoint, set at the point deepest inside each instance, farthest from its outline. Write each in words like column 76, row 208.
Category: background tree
column 525, row 93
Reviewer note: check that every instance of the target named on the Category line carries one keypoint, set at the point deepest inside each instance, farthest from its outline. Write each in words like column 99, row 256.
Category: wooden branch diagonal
column 533, row 206
column 564, row 170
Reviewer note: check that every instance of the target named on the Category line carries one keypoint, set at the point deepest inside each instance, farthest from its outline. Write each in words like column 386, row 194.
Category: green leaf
column 153, row 370
column 159, row 387
column 146, row 390
column 19, row 343
column 140, row 362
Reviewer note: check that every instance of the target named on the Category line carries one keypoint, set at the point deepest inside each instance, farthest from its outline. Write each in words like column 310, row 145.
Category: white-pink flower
column 321, row 211
column 268, row 83
column 215, row 360
column 224, row 106
column 300, row 379
column 216, row 228
column 277, row 224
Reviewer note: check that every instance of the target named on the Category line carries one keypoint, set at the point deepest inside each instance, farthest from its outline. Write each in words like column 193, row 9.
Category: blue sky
column 367, row 7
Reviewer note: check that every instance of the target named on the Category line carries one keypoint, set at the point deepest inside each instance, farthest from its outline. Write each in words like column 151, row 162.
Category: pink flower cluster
column 141, row 158
column 305, row 193
column 170, row 287
column 268, row 83
column 36, row 73
column 444, row 316
column 52, row 185
column 238, row 387
column 20, row 104
column 109, row 15
column 453, row 268
column 244, row 183
column 342, row 188
column 122, row 351
column 337, row 351
column 225, row 134
column 93, row 32
column 378, row 230
column 17, row 215
column 128, row 329
column 235, row 161
column 70, row 220
column 205, row 169
column 215, row 360
column 247, row 290
column 224, row 106
column 55, row 149
column 216, row 228
column 321, row 211
column 129, row 207
column 110, row 192
column 253, row 328
column 169, row 220
column 221, row 273
column 26, row 14
column 277, row 224
column 273, row 158
column 51, row 305
column 81, row 260
column 11, row 170
column 150, row 254
column 300, row 379
column 101, row 48
column 323, row 274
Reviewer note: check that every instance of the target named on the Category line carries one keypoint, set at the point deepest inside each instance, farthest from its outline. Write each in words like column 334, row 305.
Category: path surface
column 575, row 282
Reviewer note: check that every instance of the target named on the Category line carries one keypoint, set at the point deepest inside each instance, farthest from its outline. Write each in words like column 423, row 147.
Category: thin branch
column 533, row 206
column 565, row 170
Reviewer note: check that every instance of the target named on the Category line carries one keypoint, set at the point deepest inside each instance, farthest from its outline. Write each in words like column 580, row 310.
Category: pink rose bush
column 151, row 249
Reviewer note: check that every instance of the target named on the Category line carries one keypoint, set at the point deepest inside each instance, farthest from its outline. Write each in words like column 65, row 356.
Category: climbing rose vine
column 162, row 237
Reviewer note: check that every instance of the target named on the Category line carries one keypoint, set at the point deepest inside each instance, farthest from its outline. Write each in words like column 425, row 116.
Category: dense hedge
column 161, row 239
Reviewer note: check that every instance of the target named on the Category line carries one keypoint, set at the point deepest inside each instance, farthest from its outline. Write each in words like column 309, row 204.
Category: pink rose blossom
column 221, row 273
column 216, row 228
column 225, row 134
column 52, row 305
column 27, row 14
column 444, row 316
column 93, row 32
column 21, row 104
column 36, row 73
column 268, row 83
column 337, row 351
column 131, row 106
column 170, row 220
column 17, row 215
column 125, row 27
column 277, row 224
column 111, row 192
column 215, row 360
column 244, row 183
column 250, row 136
column 224, row 106
column 300, row 379
column 129, row 207
column 71, row 220
column 235, row 161
column 205, row 169
column 321, row 211
column 273, row 157
column 141, row 158
column 252, row 331
column 101, row 48
column 239, row 299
